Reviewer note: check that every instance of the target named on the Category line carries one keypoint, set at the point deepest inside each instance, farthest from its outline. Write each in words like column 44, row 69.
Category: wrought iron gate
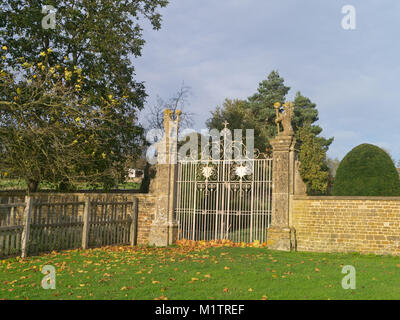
column 224, row 199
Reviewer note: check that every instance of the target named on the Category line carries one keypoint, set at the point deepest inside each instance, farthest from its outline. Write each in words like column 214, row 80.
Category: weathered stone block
column 281, row 238
column 163, row 234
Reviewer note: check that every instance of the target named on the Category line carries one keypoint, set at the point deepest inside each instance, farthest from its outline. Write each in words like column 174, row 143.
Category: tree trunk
column 32, row 186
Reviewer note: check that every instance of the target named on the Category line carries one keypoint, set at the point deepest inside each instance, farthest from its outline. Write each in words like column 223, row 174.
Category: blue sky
column 225, row 48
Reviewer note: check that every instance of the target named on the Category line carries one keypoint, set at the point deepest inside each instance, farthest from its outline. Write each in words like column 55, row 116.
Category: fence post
column 86, row 217
column 27, row 226
column 134, row 223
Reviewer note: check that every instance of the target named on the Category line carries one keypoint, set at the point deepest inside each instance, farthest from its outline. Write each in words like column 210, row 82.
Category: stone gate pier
column 286, row 182
column 164, row 228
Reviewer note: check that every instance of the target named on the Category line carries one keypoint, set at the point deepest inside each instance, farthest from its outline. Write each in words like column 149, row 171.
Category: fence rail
column 35, row 225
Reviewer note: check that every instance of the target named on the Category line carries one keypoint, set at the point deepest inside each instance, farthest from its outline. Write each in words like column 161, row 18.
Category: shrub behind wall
column 366, row 170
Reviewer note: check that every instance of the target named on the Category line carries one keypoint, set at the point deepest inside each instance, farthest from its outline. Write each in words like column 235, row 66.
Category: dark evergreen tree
column 258, row 113
column 367, row 170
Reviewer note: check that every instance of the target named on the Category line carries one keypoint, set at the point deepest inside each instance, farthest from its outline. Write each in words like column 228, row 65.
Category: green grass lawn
column 16, row 184
column 12, row 184
column 209, row 273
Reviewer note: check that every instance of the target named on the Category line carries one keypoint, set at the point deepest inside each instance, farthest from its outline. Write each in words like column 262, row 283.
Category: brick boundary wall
column 347, row 224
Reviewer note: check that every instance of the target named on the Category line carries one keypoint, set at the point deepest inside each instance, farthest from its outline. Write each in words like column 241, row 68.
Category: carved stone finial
column 178, row 115
column 167, row 118
column 284, row 117
column 226, row 124
column 277, row 107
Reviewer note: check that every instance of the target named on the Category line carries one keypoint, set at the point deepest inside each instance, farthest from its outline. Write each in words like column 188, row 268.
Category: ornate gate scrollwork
column 225, row 198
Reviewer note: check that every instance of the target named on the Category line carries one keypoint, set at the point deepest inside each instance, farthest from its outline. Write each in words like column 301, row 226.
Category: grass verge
column 204, row 273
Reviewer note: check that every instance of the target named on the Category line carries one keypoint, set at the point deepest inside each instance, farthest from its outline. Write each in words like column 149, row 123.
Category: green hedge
column 366, row 170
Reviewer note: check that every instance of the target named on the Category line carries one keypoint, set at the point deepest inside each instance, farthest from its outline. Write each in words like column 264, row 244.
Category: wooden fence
column 31, row 225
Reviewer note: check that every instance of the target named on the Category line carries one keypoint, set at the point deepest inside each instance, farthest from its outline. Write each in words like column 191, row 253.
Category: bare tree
column 179, row 101
column 333, row 165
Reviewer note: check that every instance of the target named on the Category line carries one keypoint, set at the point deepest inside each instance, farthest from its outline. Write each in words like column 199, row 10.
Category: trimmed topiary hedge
column 366, row 170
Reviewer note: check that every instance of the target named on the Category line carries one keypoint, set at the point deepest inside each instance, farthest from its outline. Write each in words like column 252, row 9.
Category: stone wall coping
column 145, row 195
column 301, row 197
